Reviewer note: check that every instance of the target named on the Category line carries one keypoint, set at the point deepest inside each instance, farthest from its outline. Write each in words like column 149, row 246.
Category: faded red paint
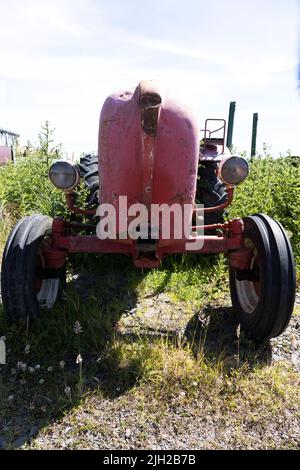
column 64, row 243
column 5, row 155
column 241, row 259
column 157, row 169
column 148, row 152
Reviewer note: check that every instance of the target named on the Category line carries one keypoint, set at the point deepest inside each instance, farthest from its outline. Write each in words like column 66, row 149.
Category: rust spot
column 149, row 101
column 149, row 114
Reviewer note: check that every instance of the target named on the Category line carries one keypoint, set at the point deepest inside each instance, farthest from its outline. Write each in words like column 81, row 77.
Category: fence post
column 254, row 135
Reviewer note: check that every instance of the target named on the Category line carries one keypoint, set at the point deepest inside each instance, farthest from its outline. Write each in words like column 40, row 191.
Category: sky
column 60, row 59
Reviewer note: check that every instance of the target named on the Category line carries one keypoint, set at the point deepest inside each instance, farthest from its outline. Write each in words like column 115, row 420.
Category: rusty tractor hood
column 148, row 148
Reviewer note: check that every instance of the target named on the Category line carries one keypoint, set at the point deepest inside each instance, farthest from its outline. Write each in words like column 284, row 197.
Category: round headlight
column 64, row 175
column 233, row 170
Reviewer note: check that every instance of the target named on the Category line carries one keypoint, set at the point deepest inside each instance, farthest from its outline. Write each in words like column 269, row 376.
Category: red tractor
column 149, row 155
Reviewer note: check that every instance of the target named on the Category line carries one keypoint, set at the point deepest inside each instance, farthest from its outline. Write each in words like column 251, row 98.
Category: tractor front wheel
column 263, row 295
column 27, row 285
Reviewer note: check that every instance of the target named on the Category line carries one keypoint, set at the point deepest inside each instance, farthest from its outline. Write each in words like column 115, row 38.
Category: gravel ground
column 159, row 315
column 287, row 346
column 114, row 426
column 120, row 424
column 126, row 422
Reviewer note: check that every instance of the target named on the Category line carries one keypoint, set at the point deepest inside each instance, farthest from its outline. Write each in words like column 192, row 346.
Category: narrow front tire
column 263, row 296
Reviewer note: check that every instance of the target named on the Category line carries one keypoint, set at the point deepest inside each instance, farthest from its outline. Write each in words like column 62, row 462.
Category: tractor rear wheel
column 88, row 168
column 26, row 285
column 264, row 295
column 211, row 191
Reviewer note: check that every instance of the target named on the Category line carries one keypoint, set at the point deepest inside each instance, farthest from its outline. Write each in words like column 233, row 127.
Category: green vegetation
column 273, row 187
column 138, row 349
column 25, row 187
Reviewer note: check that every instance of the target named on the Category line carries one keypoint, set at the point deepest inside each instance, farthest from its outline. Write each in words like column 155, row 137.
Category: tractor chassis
column 64, row 241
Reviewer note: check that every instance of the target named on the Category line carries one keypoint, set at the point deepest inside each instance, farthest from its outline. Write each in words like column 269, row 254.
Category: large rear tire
column 26, row 285
column 264, row 295
column 89, row 172
column 211, row 191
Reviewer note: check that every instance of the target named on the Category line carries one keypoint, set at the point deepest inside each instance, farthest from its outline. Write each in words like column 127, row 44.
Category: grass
column 162, row 370
column 157, row 357
column 272, row 188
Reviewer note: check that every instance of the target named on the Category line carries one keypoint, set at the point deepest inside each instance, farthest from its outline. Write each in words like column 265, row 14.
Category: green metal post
column 254, row 134
column 230, row 124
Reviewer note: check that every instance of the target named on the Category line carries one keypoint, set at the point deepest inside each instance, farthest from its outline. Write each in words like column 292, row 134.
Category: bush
column 25, row 189
column 273, row 187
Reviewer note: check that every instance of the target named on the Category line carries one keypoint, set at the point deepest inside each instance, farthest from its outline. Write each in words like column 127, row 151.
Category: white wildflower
column 77, row 328
column 78, row 359
column 41, row 381
column 50, row 369
column 31, row 369
column 3, row 338
column 37, row 367
column 11, row 397
column 68, row 392
column 27, row 349
column 23, row 366
column 62, row 364
column 19, row 364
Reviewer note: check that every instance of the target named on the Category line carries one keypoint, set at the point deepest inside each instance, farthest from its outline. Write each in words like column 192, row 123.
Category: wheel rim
column 46, row 289
column 249, row 292
column 48, row 292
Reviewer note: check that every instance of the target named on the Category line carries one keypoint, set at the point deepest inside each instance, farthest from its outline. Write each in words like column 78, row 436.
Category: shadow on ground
column 216, row 333
column 31, row 401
